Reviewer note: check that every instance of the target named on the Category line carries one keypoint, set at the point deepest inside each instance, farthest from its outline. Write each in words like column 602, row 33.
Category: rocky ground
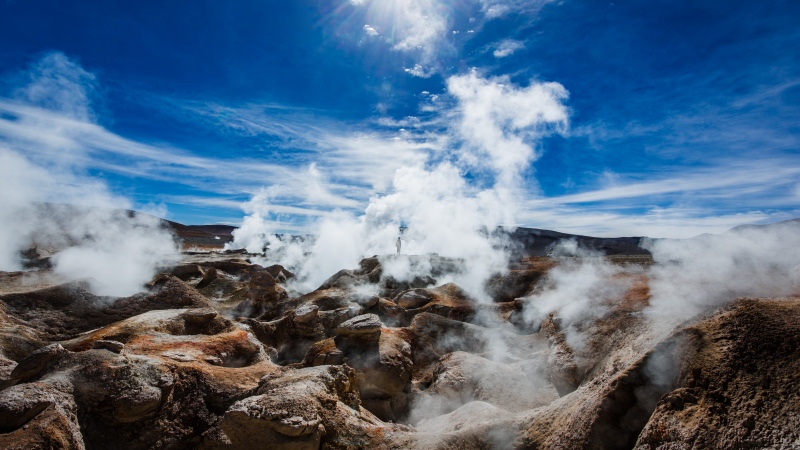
column 219, row 354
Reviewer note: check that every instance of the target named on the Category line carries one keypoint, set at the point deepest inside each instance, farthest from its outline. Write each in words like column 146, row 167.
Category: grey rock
column 107, row 344
column 199, row 316
column 306, row 313
column 363, row 325
column 37, row 362
column 414, row 298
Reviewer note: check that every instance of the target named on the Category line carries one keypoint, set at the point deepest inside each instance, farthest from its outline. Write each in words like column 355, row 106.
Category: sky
column 657, row 118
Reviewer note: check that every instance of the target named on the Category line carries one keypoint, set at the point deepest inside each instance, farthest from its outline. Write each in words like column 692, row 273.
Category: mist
column 448, row 205
column 52, row 204
column 692, row 275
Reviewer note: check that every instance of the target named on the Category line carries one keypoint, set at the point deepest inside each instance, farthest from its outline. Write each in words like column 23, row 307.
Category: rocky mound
column 219, row 353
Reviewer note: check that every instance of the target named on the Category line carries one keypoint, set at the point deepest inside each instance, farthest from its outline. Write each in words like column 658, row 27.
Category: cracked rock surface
column 221, row 353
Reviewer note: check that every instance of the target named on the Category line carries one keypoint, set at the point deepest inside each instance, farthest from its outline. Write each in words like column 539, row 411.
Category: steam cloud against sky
column 663, row 120
column 51, row 202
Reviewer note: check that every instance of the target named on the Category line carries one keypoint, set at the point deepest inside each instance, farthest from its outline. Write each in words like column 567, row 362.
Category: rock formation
column 220, row 353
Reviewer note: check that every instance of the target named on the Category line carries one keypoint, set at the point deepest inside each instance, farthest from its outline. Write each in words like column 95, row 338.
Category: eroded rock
column 366, row 325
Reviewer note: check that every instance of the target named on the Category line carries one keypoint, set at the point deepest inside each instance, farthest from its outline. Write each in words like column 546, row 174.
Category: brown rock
column 739, row 384
column 361, row 326
column 209, row 275
column 38, row 417
column 199, row 316
column 107, row 344
column 299, row 409
column 38, row 362
column 413, row 298
column 264, row 294
column 306, row 313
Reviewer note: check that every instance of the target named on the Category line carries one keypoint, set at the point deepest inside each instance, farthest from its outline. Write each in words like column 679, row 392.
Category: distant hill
column 202, row 235
column 537, row 242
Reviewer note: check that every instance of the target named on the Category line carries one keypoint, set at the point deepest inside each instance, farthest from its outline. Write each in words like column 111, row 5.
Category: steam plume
column 95, row 237
column 442, row 212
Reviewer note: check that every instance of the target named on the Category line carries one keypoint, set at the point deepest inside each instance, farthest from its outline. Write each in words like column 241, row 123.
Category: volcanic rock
column 66, row 310
column 279, row 273
column 264, row 294
column 108, row 344
column 300, row 409
column 176, row 367
column 364, row 325
column 306, row 313
column 413, row 298
column 738, row 385
column 186, row 271
column 291, row 338
column 380, row 357
column 17, row 338
column 38, row 361
column 39, row 416
column 209, row 275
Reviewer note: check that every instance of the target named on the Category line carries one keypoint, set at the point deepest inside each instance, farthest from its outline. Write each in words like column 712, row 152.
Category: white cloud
column 502, row 121
column 48, row 137
column 422, row 26
column 372, row 159
column 507, row 47
column 59, row 84
column 672, row 222
column 317, row 190
column 370, row 30
column 726, row 179
column 418, row 27
column 493, row 9
column 419, row 71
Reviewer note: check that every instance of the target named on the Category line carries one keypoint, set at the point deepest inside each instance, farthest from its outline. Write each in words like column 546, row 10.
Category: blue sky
column 683, row 116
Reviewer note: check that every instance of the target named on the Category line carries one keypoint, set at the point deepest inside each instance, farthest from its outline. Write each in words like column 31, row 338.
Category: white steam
column 688, row 276
column 577, row 290
column 503, row 123
column 93, row 237
column 440, row 205
column 692, row 275
column 117, row 253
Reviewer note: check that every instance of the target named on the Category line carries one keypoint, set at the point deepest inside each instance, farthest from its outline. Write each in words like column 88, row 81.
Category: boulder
column 300, row 409
column 413, row 298
column 264, row 294
column 39, row 416
column 209, row 275
column 380, row 357
column 37, row 363
column 366, row 325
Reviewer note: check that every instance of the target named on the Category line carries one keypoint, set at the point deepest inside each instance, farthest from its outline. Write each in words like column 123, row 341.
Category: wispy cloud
column 499, row 8
column 48, row 136
column 507, row 47
column 656, row 222
column 419, row 71
column 370, row 30
column 726, row 180
column 690, row 202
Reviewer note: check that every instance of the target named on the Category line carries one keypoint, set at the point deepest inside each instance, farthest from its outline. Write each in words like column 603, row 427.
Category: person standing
column 399, row 243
